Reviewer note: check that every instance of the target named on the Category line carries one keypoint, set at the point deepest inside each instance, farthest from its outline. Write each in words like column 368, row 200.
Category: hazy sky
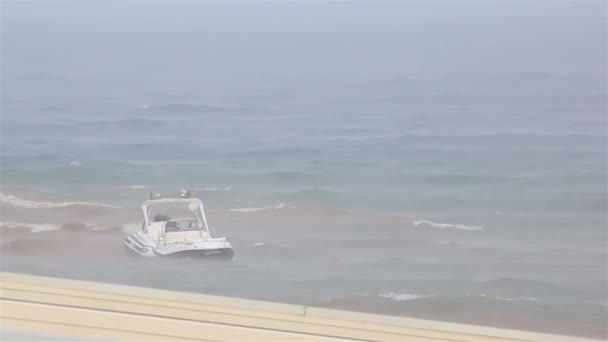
column 401, row 36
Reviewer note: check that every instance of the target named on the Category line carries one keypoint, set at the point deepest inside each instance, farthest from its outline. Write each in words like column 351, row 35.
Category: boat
column 187, row 236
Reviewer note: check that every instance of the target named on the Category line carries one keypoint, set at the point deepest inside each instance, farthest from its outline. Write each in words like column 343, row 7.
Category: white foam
column 258, row 244
column 506, row 299
column 75, row 163
column 45, row 227
column 16, row 201
column 33, row 227
column 226, row 189
column 402, row 296
column 137, row 186
column 96, row 227
column 445, row 225
column 253, row 210
column 131, row 227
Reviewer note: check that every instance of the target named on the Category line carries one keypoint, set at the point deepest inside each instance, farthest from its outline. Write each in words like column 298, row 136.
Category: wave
column 137, row 187
column 371, row 243
column 318, row 195
column 506, row 299
column 473, row 309
column 226, row 189
column 285, row 176
column 445, row 225
column 137, row 122
column 393, row 299
column 49, row 227
column 402, row 296
column 45, row 248
column 180, row 108
column 33, row 227
column 87, row 226
column 501, row 136
column 133, row 122
column 384, row 303
column 253, row 210
column 19, row 202
column 317, row 192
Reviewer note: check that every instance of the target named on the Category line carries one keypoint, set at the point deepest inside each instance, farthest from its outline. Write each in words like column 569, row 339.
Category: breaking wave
column 506, row 299
column 137, row 187
column 402, row 297
column 226, row 189
column 445, row 225
column 253, row 210
column 19, row 202
column 48, row 227
column 33, row 227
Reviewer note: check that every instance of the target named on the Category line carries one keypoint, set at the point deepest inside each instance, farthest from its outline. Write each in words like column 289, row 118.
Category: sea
column 472, row 197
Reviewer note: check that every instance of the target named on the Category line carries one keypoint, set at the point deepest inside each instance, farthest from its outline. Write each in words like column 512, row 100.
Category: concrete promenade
column 72, row 310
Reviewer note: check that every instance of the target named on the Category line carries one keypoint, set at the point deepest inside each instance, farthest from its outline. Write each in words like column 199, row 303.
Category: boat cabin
column 175, row 220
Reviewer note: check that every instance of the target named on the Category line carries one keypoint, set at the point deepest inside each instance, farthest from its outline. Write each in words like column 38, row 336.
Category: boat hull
column 136, row 247
column 220, row 253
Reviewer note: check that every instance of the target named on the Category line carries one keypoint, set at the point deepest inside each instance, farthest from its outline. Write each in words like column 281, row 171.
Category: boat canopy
column 172, row 200
column 194, row 205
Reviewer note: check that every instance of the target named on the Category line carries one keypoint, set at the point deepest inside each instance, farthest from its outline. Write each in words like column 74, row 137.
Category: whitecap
column 258, row 244
column 95, row 227
column 253, row 210
column 33, row 227
column 445, row 225
column 75, row 163
column 19, row 202
column 226, row 189
column 403, row 296
column 506, row 299
column 137, row 186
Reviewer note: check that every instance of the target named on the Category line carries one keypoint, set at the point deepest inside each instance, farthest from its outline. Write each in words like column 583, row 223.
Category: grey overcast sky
column 451, row 36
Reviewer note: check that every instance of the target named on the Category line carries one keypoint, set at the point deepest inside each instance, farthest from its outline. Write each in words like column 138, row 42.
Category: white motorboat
column 187, row 236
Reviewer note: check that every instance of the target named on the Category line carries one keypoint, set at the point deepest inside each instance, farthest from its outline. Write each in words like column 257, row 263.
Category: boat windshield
column 183, row 225
column 169, row 211
column 180, row 216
